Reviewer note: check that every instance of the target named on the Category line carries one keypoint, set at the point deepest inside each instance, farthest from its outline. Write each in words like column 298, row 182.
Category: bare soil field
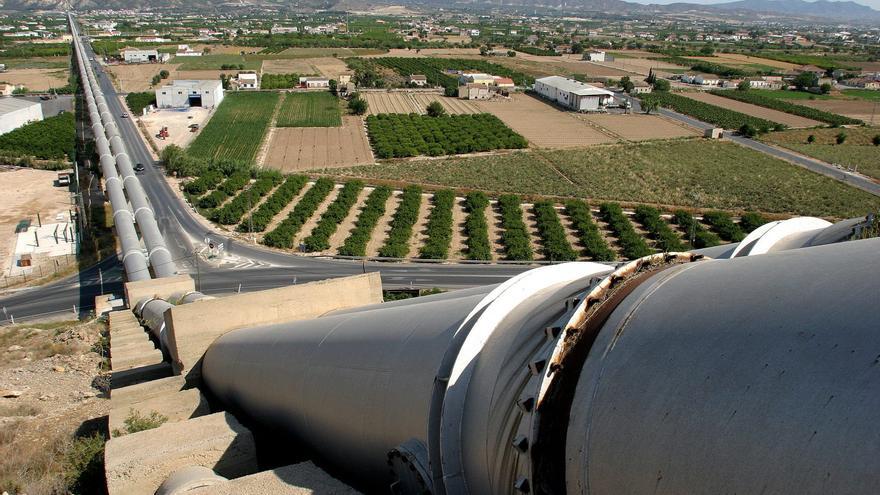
column 546, row 66
column 289, row 66
column 199, row 74
column 178, row 122
column 544, row 125
column 754, row 110
column 228, row 49
column 641, row 127
column 26, row 192
column 301, row 148
column 130, row 78
column 36, row 79
column 869, row 66
column 856, row 109
column 328, row 66
column 405, row 102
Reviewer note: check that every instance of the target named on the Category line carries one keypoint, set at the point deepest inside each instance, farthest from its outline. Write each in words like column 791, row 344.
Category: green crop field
column 403, row 135
column 857, row 151
column 692, row 173
column 237, row 128
column 223, row 61
column 309, row 110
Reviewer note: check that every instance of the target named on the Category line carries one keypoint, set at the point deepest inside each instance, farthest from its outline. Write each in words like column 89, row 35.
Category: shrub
column 397, row 243
column 260, row 219
column 750, row 221
column 232, row 211
column 515, row 236
column 357, row 105
column 724, row 226
column 553, row 238
column 876, row 140
column 632, row 244
column 136, row 422
column 667, row 239
column 319, row 239
column 811, row 139
column 439, row 227
column 840, row 138
column 699, row 237
column 374, row 208
column 138, row 101
column 748, row 131
column 476, row 227
column 435, row 109
column 591, row 238
column 204, row 183
column 282, row 236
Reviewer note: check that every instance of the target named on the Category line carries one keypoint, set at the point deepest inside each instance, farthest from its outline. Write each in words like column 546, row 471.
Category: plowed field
column 301, row 148
column 402, row 102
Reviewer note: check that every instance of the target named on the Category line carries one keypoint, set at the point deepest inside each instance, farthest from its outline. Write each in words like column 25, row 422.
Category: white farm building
column 16, row 112
column 190, row 93
column 144, row 56
column 572, row 94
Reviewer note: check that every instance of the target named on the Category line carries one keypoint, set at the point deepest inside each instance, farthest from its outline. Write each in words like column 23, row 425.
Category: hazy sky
column 874, row 4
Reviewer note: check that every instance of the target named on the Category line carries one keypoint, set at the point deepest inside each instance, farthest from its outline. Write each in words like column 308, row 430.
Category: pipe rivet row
column 521, row 443
column 537, row 366
column 522, row 485
column 526, row 404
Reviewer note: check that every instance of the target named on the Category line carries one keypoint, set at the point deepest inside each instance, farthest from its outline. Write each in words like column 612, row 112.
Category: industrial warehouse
column 184, row 93
column 572, row 94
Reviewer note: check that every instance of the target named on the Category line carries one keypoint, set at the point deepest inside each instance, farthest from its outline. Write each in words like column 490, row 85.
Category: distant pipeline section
column 123, row 186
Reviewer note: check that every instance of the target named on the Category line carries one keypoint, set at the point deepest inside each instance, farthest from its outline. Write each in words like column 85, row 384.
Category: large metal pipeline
column 668, row 375
column 113, row 154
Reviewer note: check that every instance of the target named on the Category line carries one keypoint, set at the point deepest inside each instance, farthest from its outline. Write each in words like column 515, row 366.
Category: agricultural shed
column 190, row 93
column 573, row 94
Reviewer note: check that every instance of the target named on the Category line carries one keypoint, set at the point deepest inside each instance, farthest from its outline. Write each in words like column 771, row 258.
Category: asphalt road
column 254, row 268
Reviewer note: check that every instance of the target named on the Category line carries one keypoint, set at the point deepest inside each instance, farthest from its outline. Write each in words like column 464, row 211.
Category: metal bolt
column 522, row 485
column 521, row 443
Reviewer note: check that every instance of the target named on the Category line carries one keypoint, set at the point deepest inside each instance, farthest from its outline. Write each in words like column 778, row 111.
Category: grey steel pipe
column 111, row 145
column 133, row 259
column 669, row 375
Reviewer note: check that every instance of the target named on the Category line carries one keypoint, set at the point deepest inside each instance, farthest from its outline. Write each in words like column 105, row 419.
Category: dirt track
column 301, row 148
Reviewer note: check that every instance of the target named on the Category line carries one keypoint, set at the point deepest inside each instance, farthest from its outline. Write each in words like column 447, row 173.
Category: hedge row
column 515, row 236
column 374, row 208
column 319, row 239
column 553, row 238
column 439, row 226
column 724, row 226
column 204, row 183
column 476, row 228
column 397, row 243
column 282, row 196
column 594, row 244
column 230, row 186
column 751, row 221
column 632, row 244
column 667, row 239
column 756, row 98
column 282, row 236
column 700, row 237
column 232, row 211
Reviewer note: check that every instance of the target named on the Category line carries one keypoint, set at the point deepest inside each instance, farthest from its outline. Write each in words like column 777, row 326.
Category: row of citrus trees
column 515, row 237
column 755, row 98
